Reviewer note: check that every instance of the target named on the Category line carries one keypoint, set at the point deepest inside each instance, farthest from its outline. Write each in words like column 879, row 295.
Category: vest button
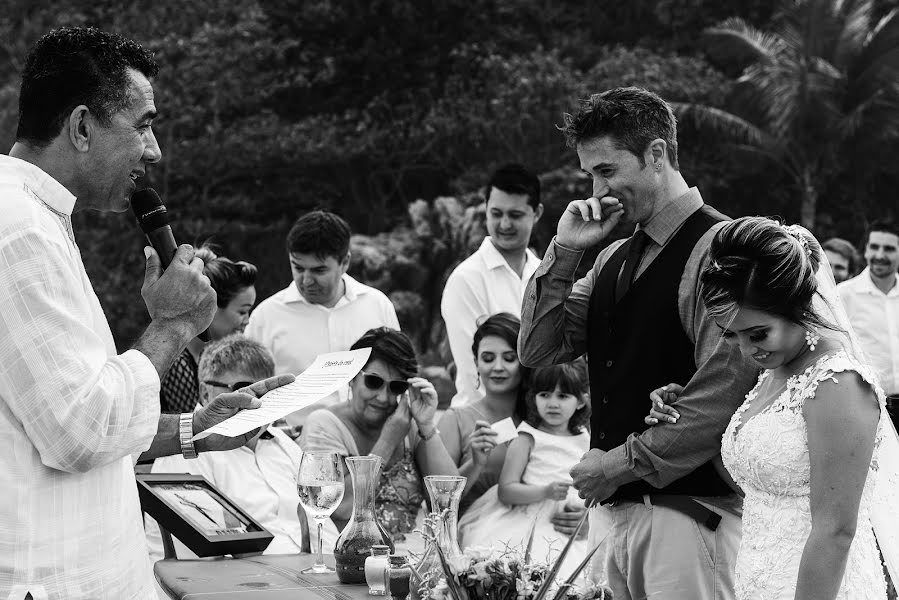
column 602, row 435
column 608, row 363
column 605, row 400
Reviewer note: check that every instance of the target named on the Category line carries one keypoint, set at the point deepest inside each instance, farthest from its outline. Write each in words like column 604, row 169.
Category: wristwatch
column 186, row 432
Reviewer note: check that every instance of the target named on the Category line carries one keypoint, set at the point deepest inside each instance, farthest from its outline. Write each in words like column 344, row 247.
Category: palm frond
column 551, row 576
column 736, row 38
column 563, row 589
column 527, row 550
column 731, row 126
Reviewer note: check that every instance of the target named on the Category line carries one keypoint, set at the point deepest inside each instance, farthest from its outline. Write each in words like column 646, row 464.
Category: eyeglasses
column 376, row 382
column 233, row 387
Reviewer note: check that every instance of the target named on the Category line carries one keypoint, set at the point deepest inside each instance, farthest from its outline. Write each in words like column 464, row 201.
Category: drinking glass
column 320, row 485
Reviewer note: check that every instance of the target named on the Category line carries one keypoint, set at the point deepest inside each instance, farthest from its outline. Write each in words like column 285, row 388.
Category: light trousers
column 655, row 552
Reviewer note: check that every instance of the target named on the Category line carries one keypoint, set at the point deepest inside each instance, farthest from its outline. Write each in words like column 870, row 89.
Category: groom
column 674, row 524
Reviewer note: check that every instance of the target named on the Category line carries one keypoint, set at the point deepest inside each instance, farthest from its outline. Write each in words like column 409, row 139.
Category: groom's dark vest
column 637, row 345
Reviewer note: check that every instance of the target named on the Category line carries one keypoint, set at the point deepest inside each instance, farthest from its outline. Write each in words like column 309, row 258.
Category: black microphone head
column 149, row 210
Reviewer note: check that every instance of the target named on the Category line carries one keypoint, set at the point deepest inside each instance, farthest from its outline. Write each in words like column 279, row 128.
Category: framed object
column 197, row 513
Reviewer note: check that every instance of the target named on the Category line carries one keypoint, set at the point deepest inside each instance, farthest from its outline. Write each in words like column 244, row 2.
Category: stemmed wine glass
column 320, row 485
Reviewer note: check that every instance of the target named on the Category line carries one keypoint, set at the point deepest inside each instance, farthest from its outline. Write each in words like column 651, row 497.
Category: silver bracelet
column 186, row 432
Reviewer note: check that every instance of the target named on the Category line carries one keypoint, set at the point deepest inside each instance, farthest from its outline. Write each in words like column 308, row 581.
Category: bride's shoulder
column 841, row 374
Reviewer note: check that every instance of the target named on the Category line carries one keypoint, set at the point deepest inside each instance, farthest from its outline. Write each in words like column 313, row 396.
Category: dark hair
column 506, row 327
column 844, row 249
column 570, row 378
column 72, row 66
column 320, row 233
column 236, row 353
column 760, row 263
column 227, row 278
column 391, row 346
column 883, row 226
column 516, row 179
column 632, row 117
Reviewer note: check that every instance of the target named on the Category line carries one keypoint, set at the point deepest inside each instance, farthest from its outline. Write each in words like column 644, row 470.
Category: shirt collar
column 494, row 260
column 866, row 285
column 672, row 216
column 51, row 192
column 352, row 290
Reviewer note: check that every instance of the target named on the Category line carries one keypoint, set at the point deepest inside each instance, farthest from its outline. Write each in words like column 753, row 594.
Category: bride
column 804, row 446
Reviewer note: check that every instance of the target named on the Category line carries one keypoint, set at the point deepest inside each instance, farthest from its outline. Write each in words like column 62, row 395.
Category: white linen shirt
column 875, row 318
column 72, row 412
column 482, row 285
column 263, row 482
column 295, row 331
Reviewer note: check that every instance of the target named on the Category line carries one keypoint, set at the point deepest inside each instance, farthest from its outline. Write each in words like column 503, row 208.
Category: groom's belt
column 682, row 504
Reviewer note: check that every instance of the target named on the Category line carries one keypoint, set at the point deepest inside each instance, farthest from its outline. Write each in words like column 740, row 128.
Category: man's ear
column 657, row 152
column 81, row 128
column 538, row 212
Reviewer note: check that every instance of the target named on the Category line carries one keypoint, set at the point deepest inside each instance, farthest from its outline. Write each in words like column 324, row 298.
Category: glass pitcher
column 363, row 530
column 445, row 492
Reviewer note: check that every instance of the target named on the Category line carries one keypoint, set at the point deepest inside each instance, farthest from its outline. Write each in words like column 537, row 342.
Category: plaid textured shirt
column 72, row 412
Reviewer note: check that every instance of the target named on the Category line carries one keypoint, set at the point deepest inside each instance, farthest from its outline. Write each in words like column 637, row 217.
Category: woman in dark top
column 233, row 283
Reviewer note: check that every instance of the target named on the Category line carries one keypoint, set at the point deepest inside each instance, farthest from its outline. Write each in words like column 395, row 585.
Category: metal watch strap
column 186, row 432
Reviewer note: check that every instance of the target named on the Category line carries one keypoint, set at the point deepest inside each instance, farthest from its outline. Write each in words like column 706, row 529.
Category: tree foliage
column 392, row 113
column 819, row 86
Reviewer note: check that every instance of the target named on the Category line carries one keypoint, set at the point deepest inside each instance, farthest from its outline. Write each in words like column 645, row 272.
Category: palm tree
column 816, row 89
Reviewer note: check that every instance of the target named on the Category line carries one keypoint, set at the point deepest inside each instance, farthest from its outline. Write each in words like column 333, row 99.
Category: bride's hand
column 661, row 397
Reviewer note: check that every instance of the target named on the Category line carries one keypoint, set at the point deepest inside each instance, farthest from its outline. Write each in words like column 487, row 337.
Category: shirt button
column 549, row 256
column 608, row 363
column 602, row 435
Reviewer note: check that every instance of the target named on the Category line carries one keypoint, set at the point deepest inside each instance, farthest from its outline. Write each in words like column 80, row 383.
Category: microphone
column 154, row 221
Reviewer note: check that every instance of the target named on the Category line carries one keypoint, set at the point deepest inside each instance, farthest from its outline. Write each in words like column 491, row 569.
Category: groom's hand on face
column 589, row 480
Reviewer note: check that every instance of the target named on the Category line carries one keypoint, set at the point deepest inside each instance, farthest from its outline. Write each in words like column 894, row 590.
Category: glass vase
column 363, row 530
column 445, row 492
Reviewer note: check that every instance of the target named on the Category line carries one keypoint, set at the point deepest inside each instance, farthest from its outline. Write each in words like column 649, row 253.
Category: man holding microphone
column 74, row 414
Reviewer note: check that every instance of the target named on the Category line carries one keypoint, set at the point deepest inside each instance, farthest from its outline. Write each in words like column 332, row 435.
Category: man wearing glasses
column 261, row 476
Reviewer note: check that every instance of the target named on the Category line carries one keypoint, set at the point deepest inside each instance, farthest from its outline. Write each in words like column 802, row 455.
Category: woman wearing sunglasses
column 389, row 413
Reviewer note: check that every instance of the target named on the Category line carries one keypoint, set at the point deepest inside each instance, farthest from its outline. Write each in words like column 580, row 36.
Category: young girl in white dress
column 535, row 483
column 804, row 446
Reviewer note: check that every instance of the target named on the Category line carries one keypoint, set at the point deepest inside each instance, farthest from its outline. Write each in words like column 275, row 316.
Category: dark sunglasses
column 376, row 382
column 233, row 387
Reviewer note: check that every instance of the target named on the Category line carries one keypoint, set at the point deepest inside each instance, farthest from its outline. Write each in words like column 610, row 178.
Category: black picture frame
column 200, row 515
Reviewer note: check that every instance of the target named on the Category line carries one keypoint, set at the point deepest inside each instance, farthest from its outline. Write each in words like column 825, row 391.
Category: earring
column 477, row 382
column 811, row 339
column 349, row 393
column 658, row 166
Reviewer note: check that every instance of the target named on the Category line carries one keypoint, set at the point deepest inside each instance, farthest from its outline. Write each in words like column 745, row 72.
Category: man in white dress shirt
column 872, row 303
column 493, row 279
column 74, row 414
column 261, row 477
column 323, row 309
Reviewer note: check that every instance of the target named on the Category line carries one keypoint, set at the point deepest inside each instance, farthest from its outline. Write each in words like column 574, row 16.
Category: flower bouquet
column 506, row 574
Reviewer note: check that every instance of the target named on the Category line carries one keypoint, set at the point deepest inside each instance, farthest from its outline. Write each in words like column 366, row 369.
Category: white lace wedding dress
column 768, row 457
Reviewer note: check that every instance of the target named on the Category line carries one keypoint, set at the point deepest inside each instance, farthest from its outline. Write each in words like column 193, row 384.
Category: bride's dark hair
column 759, row 263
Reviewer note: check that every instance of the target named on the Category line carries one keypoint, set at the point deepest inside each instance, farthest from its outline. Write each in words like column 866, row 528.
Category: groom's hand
column 589, row 479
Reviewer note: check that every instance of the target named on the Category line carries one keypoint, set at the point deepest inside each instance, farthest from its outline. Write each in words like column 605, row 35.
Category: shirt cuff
column 145, row 376
column 559, row 260
column 615, row 469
